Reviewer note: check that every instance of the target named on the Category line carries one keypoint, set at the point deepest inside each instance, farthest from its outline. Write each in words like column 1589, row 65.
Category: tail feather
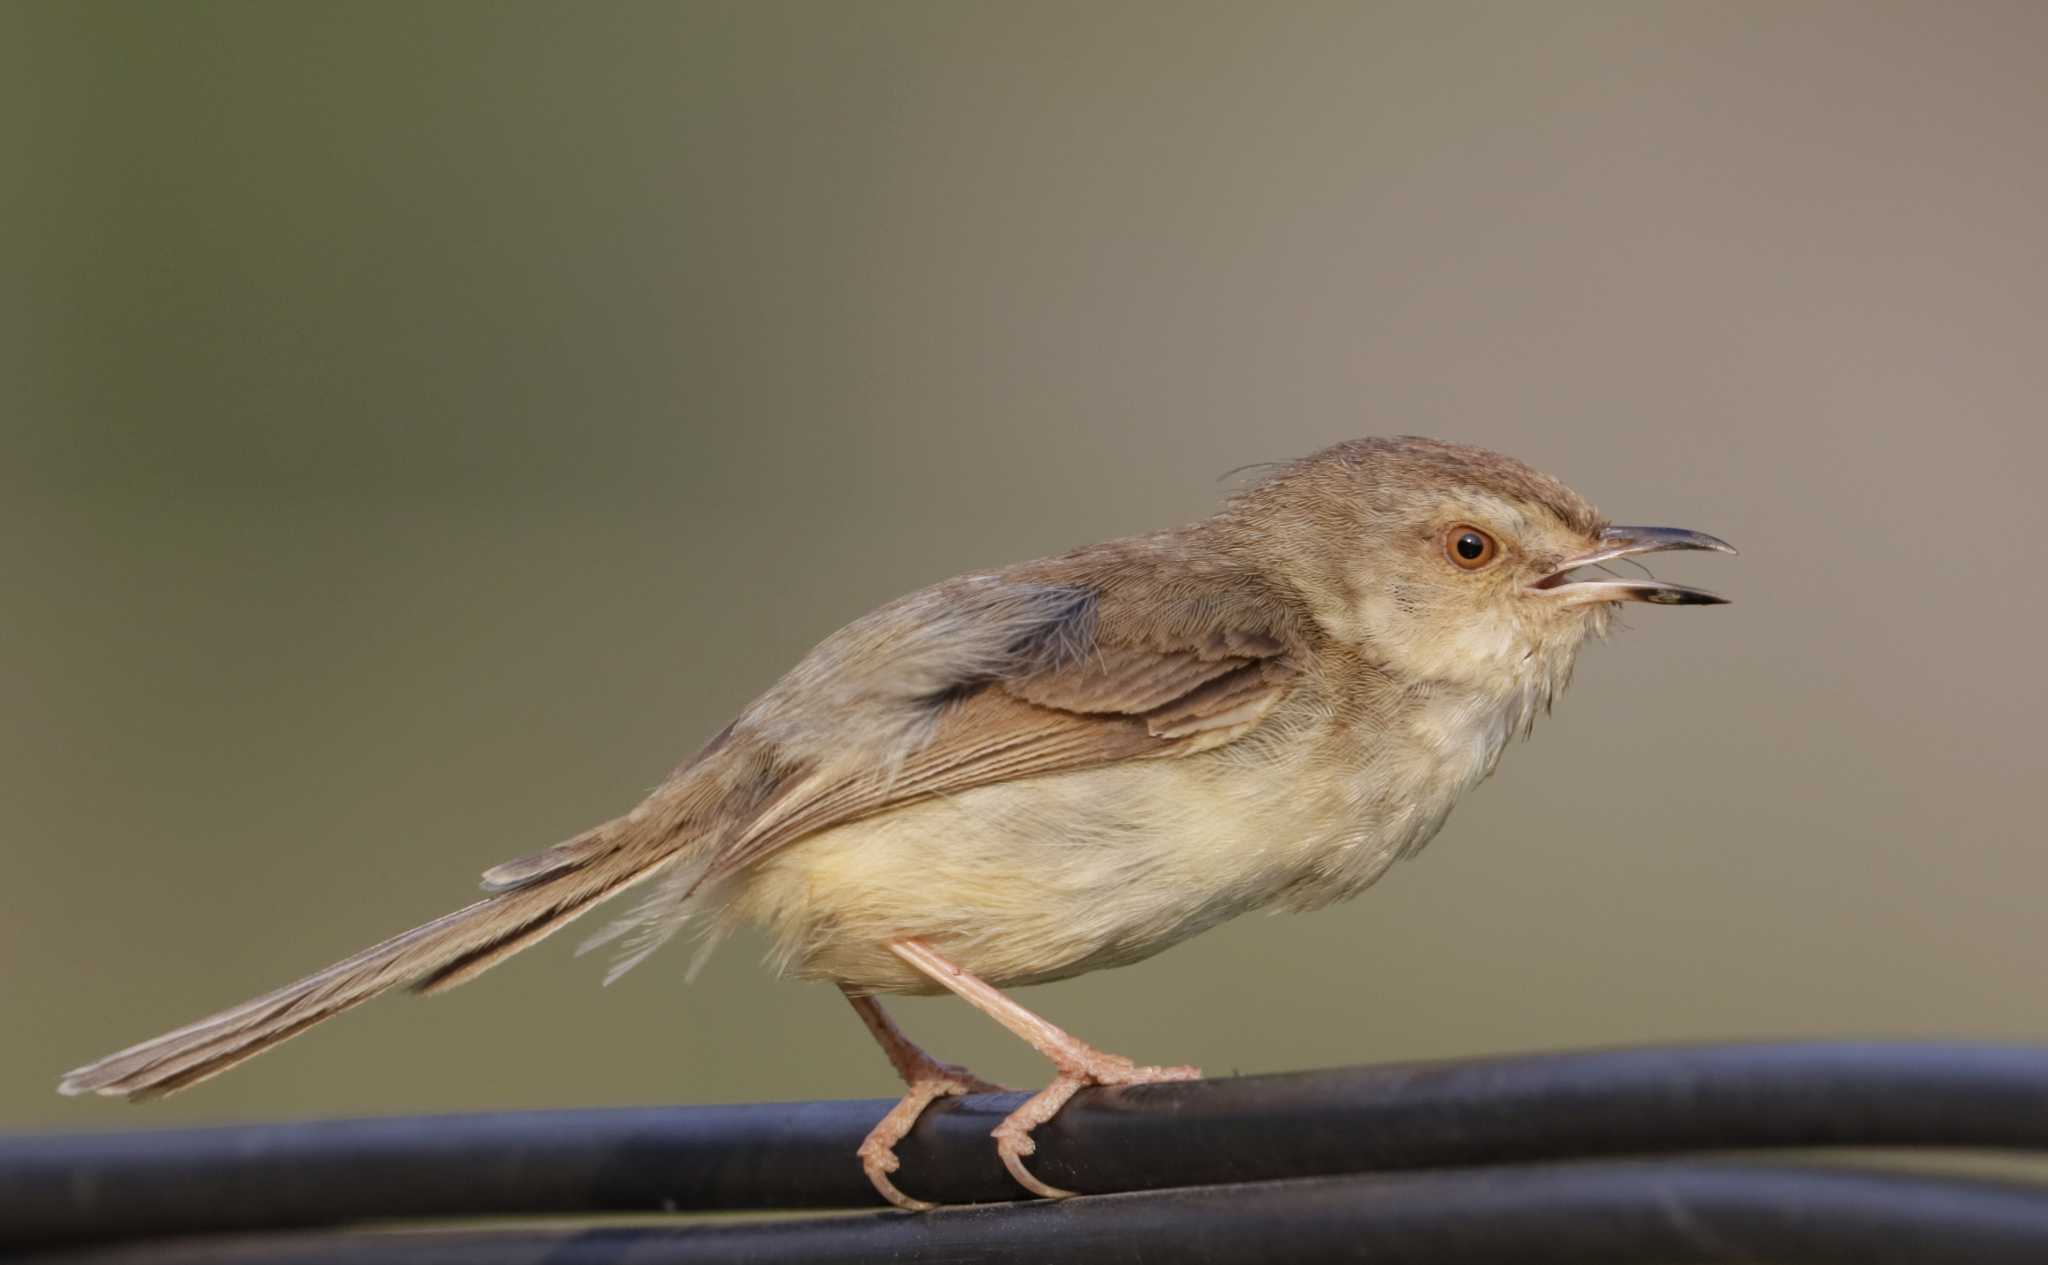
column 568, row 854
column 430, row 958
column 469, row 965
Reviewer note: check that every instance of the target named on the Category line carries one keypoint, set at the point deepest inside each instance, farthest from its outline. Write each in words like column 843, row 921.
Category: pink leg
column 1079, row 1064
column 928, row 1079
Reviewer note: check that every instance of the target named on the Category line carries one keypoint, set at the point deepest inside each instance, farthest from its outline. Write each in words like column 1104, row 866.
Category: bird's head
column 1450, row 564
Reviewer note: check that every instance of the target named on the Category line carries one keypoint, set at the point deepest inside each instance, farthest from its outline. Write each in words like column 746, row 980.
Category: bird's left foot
column 1080, row 1066
column 930, row 1082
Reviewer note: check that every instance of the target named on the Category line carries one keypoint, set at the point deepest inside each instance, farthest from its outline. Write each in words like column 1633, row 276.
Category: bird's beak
column 1623, row 542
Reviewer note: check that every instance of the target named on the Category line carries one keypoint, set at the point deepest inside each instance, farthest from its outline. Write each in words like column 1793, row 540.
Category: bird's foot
column 930, row 1080
column 1079, row 1068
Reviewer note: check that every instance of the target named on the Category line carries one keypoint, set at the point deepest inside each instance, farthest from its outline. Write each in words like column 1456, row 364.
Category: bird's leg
column 928, row 1079
column 1079, row 1064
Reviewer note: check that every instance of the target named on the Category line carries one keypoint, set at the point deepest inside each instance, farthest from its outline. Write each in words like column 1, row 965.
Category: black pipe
column 81, row 1187
column 1611, row 1213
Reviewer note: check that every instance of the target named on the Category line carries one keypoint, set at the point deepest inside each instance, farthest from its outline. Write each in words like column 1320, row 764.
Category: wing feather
column 1100, row 700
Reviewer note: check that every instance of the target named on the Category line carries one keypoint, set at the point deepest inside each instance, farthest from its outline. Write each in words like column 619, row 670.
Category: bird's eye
column 1469, row 547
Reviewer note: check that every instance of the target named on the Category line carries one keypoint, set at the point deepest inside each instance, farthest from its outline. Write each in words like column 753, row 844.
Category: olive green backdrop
column 424, row 424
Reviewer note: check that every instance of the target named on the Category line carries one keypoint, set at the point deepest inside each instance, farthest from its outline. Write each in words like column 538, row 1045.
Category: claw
column 1013, row 1149
column 878, row 1160
column 1013, row 1135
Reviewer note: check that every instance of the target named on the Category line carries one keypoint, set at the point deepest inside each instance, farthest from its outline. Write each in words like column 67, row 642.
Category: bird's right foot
column 1080, row 1066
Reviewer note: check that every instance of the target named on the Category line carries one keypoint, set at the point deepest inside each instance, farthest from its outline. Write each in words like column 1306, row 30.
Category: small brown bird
column 1068, row 764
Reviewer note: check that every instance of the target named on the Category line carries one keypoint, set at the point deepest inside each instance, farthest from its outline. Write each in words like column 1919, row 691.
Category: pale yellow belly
column 1035, row 880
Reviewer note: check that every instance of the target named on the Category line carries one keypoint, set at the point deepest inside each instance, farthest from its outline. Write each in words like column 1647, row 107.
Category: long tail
column 448, row 951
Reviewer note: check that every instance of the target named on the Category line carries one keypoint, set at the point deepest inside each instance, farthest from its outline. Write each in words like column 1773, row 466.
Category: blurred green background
column 424, row 424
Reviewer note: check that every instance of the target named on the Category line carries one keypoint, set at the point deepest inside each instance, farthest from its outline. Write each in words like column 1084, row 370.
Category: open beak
column 1624, row 542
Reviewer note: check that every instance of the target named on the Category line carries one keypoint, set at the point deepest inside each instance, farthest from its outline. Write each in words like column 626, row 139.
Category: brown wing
column 1119, row 669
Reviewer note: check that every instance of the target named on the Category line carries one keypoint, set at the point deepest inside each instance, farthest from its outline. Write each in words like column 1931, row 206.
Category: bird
column 1020, row 775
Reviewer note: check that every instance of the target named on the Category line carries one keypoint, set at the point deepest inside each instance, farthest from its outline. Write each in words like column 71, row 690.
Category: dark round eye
column 1469, row 547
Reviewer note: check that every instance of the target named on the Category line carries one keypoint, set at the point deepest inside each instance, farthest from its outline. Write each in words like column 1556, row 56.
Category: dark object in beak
column 1623, row 542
